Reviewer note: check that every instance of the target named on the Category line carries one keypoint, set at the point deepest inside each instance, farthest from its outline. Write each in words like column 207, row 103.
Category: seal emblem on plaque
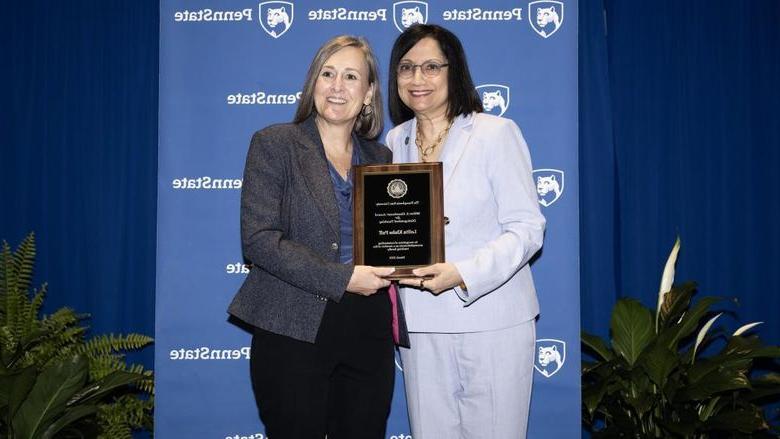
column 396, row 188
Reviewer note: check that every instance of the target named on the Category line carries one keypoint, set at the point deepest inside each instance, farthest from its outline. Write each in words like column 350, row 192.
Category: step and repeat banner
column 229, row 68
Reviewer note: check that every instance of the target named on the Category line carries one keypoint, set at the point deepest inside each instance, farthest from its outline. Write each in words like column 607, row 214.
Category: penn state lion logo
column 546, row 187
column 276, row 17
column 411, row 16
column 408, row 13
column 549, row 185
column 550, row 356
column 495, row 98
column 491, row 100
column 549, row 17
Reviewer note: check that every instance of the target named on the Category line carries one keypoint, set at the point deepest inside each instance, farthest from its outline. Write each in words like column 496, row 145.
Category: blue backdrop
column 679, row 134
column 78, row 153
column 226, row 73
column 79, row 145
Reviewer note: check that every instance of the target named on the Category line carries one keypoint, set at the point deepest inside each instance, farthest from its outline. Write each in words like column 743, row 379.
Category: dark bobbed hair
column 368, row 124
column 463, row 97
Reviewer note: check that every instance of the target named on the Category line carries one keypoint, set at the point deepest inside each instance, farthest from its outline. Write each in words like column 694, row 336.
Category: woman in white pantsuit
column 469, row 371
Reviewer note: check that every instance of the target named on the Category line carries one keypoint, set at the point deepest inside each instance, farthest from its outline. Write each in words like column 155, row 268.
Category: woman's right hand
column 366, row 280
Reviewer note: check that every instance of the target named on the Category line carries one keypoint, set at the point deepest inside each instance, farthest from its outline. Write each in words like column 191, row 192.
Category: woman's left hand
column 445, row 276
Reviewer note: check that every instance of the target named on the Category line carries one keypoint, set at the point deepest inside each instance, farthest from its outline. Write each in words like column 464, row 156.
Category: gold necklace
column 426, row 151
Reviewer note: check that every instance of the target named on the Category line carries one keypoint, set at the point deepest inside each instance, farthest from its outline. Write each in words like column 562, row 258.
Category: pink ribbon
column 393, row 293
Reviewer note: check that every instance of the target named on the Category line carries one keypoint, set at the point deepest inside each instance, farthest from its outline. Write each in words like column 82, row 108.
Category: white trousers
column 474, row 385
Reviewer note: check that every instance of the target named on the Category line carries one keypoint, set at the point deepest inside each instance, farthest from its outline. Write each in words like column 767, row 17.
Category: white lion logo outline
column 549, row 185
column 408, row 13
column 549, row 17
column 276, row 17
column 550, row 356
column 495, row 98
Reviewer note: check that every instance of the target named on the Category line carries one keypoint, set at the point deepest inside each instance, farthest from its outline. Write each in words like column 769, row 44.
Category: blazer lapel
column 364, row 153
column 314, row 167
column 458, row 138
column 407, row 153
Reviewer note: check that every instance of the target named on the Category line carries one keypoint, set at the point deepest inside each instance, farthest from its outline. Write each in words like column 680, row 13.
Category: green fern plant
column 54, row 381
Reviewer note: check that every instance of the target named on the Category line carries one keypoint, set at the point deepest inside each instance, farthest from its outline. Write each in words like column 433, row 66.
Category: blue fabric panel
column 78, row 157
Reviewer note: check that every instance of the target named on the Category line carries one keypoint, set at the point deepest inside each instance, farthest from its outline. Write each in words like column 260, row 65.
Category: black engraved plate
column 398, row 216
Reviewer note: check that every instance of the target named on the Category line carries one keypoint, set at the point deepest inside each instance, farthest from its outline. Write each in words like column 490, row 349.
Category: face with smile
column 342, row 87
column 426, row 96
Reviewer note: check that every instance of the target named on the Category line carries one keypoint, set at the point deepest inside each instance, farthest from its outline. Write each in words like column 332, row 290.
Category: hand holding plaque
column 398, row 216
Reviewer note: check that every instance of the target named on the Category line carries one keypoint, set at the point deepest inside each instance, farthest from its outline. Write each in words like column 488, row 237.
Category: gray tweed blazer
column 290, row 230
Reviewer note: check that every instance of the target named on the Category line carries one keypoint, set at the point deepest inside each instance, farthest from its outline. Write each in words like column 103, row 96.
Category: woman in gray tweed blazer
column 322, row 351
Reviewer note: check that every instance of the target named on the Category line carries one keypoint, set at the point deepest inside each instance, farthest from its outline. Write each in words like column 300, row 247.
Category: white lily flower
column 667, row 279
column 746, row 328
column 702, row 333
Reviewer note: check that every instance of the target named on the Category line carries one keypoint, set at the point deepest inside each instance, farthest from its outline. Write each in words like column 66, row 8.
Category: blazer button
column 334, row 246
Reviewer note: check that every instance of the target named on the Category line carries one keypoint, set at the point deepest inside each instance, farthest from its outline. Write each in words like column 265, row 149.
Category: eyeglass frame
column 415, row 66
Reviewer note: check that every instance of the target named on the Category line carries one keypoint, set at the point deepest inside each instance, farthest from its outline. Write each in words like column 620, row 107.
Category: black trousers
column 341, row 385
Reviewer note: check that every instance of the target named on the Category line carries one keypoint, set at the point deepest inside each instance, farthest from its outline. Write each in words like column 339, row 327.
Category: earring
column 367, row 110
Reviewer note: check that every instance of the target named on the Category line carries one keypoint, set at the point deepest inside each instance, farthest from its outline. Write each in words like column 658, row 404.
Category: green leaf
column 69, row 417
column 708, row 409
column 6, row 381
column 690, row 321
column 658, row 362
column 750, row 347
column 676, row 302
column 683, row 424
column 638, row 392
column 765, row 386
column 47, row 399
column 708, row 366
column 31, row 343
column 737, row 355
column 97, row 390
column 597, row 345
column 593, row 394
column 14, row 388
column 8, row 282
column 31, row 319
column 632, row 329
column 23, row 260
column 747, row 420
column 715, row 382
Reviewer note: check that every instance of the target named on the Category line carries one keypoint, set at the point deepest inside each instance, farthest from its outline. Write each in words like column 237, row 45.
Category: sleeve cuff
column 345, row 274
column 462, row 293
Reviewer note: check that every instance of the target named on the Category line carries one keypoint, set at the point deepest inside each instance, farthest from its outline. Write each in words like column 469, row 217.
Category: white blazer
column 494, row 229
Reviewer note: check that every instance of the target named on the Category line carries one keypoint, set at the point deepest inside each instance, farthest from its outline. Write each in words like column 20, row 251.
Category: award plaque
column 398, row 216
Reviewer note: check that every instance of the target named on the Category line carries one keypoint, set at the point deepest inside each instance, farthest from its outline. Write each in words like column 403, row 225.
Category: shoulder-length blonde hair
column 369, row 124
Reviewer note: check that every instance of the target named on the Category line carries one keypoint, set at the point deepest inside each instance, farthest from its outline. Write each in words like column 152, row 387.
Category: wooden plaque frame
column 382, row 194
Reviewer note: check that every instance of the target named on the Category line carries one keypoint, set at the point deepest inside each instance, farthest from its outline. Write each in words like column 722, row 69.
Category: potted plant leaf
column 54, row 382
column 652, row 381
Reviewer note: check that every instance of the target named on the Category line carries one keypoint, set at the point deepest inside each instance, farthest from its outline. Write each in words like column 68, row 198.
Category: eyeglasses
column 430, row 69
